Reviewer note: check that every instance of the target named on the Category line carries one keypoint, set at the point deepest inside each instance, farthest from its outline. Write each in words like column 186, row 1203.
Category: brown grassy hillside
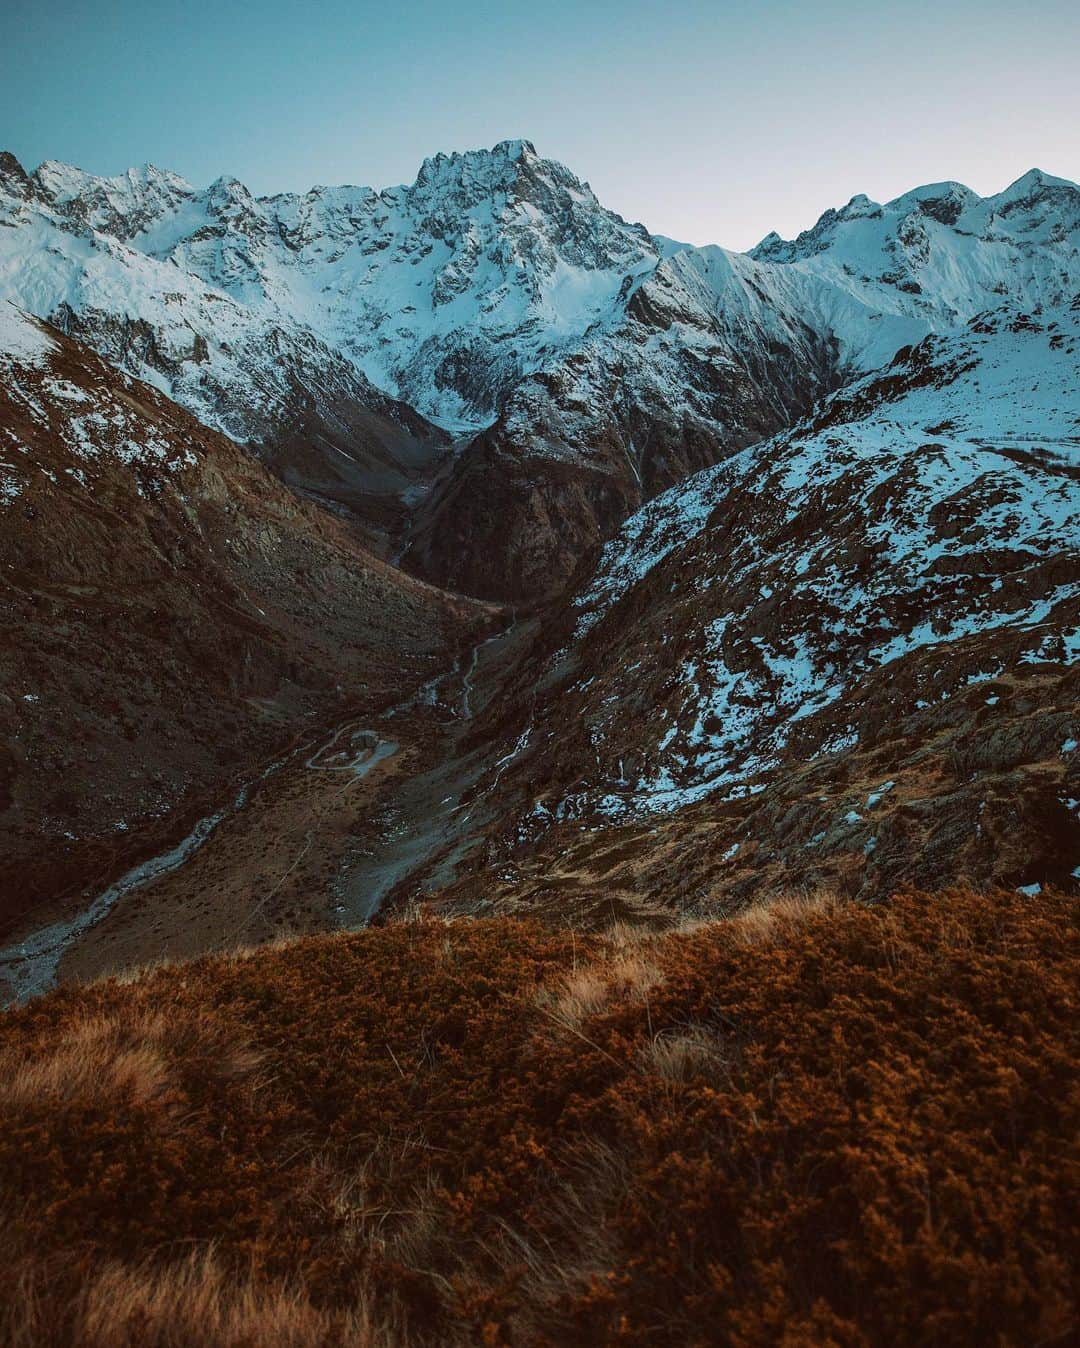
column 172, row 618
column 814, row 1124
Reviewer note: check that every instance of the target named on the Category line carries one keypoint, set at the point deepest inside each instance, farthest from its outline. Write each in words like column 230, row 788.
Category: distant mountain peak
column 951, row 204
column 227, row 192
column 1033, row 179
column 13, row 177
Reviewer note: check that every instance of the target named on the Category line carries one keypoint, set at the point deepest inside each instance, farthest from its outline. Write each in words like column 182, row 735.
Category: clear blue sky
column 711, row 122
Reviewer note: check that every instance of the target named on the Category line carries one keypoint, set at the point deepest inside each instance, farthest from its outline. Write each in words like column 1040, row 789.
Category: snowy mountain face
column 848, row 654
column 258, row 376
column 442, row 293
column 582, row 364
column 714, row 350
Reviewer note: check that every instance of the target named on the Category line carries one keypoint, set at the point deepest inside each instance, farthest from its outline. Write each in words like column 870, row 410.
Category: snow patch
column 22, row 338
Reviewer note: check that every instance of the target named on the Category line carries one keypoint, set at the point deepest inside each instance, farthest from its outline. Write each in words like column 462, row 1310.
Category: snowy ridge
column 495, row 264
column 499, row 242
column 22, row 341
column 239, row 369
column 932, row 505
column 712, row 351
column 583, row 365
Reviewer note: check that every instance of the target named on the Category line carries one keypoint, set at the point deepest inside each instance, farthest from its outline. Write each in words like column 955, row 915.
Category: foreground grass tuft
column 820, row 1124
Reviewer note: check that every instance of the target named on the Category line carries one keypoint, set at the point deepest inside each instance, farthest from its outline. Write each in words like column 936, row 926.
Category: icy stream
column 28, row 967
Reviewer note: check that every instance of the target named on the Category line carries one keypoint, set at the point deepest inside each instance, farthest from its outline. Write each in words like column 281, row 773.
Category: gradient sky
column 710, row 122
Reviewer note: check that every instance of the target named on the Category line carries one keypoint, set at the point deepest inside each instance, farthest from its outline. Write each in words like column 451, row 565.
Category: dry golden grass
column 189, row 1302
column 582, row 1207
column 773, row 918
column 589, row 989
column 115, row 1055
column 681, row 1055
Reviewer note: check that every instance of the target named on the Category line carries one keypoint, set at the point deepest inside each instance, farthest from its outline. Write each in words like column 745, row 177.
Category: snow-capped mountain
column 713, row 350
column 583, row 364
column 931, row 258
column 249, row 371
column 850, row 653
column 443, row 293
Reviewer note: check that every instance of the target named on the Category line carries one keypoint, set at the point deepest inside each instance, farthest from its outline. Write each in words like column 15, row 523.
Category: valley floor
column 318, row 838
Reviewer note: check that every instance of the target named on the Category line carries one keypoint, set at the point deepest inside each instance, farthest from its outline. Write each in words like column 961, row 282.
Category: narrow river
column 429, row 816
column 28, row 967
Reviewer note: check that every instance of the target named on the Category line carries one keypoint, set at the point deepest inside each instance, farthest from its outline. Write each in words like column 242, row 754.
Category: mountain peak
column 505, row 159
column 1031, row 184
column 228, row 187
column 13, row 176
column 945, row 202
column 516, row 149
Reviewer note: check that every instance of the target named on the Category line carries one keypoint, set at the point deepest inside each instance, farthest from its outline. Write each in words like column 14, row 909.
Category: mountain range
column 487, row 367
column 612, row 572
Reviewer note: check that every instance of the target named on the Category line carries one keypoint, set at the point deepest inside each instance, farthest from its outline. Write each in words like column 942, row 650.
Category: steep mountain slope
column 172, row 616
column 256, row 374
column 848, row 654
column 580, row 443
column 583, row 364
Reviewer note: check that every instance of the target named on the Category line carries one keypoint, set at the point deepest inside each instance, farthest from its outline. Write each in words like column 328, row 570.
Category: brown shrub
column 824, row 1125
column 191, row 1301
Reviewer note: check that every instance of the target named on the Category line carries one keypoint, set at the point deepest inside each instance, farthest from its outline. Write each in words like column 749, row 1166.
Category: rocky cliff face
column 581, row 364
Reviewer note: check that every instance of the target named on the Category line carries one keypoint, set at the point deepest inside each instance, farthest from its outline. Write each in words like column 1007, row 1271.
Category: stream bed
column 28, row 967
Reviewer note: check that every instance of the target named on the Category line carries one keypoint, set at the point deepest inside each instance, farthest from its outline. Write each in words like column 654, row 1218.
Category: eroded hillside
column 847, row 655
